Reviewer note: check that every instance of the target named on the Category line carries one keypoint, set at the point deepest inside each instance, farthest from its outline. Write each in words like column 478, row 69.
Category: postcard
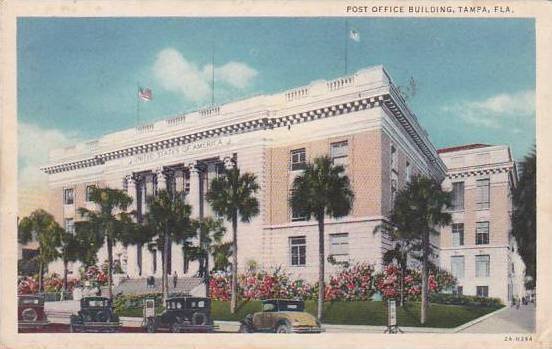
column 275, row 174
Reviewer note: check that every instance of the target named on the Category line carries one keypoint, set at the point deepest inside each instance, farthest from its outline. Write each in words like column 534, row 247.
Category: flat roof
column 462, row 147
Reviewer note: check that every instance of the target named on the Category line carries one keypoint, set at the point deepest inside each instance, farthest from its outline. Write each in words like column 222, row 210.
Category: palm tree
column 41, row 225
column 209, row 233
column 232, row 196
column 323, row 189
column 524, row 215
column 418, row 210
column 70, row 251
column 107, row 226
column 222, row 252
column 168, row 218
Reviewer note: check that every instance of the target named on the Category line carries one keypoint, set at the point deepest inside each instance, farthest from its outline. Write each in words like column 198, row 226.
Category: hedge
column 474, row 301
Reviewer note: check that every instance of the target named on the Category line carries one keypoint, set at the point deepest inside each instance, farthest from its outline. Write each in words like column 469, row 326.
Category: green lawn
column 369, row 313
column 358, row 313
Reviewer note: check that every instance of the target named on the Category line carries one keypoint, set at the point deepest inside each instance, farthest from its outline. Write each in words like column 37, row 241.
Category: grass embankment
column 369, row 313
column 358, row 313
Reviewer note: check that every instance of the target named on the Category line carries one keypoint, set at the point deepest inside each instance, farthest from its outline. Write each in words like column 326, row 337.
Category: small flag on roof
column 145, row 94
column 354, row 35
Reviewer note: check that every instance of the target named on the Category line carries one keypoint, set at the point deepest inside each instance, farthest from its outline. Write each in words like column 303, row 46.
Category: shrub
column 94, row 275
column 351, row 283
column 475, row 301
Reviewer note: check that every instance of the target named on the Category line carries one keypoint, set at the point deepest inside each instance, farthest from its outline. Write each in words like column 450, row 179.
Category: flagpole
column 137, row 104
column 346, row 43
column 213, row 74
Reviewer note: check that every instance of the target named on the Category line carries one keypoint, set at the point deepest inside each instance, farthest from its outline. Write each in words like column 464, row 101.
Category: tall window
column 339, row 152
column 457, row 266
column 298, row 159
column 154, row 260
column 70, row 225
column 481, row 233
column 482, row 291
column 298, row 250
column 68, row 196
column 296, row 214
column 408, row 173
column 457, row 234
column 482, row 266
column 458, row 196
column 483, row 194
column 339, row 244
column 394, row 160
column 89, row 189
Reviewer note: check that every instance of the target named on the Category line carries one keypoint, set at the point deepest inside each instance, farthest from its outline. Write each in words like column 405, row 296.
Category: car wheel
column 175, row 328
column 283, row 328
column 150, row 326
column 245, row 329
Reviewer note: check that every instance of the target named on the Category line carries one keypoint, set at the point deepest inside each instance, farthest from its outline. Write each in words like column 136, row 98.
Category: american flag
column 145, row 94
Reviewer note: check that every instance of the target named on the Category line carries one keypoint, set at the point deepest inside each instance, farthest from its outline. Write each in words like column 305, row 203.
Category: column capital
column 130, row 179
column 229, row 162
column 192, row 167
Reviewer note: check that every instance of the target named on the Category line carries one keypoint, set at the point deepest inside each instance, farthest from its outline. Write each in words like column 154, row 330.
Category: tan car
column 281, row 316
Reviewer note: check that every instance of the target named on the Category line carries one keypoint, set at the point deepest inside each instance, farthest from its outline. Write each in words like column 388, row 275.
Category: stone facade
column 480, row 169
column 361, row 117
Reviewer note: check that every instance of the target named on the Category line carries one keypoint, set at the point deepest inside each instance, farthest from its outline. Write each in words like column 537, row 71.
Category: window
column 339, row 244
column 457, row 266
column 408, row 173
column 89, row 189
column 393, row 186
column 70, row 225
column 186, row 263
column 394, row 161
column 482, row 291
column 460, row 290
column 481, row 233
column 298, row 159
column 339, row 152
column 68, row 196
column 483, row 195
column 154, row 260
column 458, row 196
column 482, row 266
column 457, row 234
column 298, row 250
column 296, row 214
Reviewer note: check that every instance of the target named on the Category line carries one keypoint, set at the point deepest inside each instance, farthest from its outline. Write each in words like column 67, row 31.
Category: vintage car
column 30, row 312
column 281, row 316
column 95, row 315
column 181, row 314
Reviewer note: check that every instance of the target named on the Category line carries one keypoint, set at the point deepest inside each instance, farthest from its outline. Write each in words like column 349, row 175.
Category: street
column 511, row 320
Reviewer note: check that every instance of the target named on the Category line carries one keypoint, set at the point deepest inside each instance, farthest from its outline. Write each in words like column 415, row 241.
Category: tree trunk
column 109, row 268
column 40, row 276
column 207, row 276
column 424, row 310
column 234, row 298
column 402, row 287
column 65, row 262
column 165, row 279
column 321, row 287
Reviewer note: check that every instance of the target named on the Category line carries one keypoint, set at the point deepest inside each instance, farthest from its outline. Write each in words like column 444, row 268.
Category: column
column 161, row 179
column 132, row 252
column 177, row 258
column 193, row 197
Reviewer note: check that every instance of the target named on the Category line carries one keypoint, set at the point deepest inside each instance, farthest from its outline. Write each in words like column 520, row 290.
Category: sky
column 78, row 78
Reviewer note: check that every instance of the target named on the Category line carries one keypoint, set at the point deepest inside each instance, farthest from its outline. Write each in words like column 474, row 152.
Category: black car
column 30, row 313
column 181, row 314
column 95, row 315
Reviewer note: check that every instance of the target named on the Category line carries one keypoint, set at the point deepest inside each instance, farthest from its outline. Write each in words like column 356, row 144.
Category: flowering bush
column 94, row 275
column 27, row 285
column 220, row 286
column 352, row 283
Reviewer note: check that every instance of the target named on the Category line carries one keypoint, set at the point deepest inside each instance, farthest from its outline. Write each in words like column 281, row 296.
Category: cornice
column 262, row 121
column 505, row 167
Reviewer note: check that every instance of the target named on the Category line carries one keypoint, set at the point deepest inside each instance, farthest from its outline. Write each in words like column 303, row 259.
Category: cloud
column 34, row 144
column 177, row 74
column 497, row 111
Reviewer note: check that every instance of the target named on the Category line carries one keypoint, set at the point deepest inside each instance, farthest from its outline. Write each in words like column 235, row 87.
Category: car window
column 29, row 301
column 179, row 305
column 201, row 304
column 269, row 307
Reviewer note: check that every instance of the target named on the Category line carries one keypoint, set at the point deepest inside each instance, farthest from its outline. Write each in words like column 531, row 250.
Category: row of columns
column 138, row 190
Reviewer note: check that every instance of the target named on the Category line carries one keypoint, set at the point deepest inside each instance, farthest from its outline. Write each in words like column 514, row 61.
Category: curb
column 478, row 320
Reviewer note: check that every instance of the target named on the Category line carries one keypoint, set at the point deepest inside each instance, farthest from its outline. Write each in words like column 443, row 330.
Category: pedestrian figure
column 175, row 279
column 517, row 303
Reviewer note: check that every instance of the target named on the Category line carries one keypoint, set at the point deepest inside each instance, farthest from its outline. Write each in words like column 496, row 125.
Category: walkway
column 510, row 321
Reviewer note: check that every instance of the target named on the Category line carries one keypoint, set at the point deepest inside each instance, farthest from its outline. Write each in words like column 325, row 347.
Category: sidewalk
column 511, row 321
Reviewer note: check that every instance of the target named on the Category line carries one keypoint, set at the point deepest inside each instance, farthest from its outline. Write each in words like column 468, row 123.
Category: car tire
column 283, row 327
column 175, row 328
column 150, row 326
column 199, row 319
column 29, row 314
column 245, row 329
